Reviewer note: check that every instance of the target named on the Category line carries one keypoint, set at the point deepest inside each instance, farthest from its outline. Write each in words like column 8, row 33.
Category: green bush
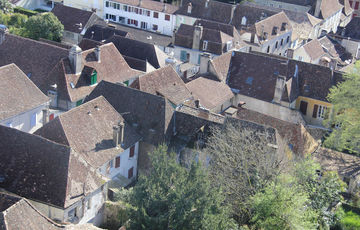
column 350, row 221
column 27, row 12
column 17, row 20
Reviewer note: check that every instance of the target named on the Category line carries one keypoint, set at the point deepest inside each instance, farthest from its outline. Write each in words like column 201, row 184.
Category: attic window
column 249, row 80
column 275, row 30
column 93, row 78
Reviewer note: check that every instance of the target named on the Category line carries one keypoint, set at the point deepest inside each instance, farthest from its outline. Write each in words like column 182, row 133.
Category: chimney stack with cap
column 197, row 37
column 118, row 134
column 97, row 53
column 76, row 59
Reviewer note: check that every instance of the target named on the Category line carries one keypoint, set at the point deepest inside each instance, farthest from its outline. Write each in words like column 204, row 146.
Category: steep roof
column 347, row 10
column 33, row 57
column 271, row 23
column 139, row 50
column 151, row 114
column 329, row 7
column 314, row 49
column 112, row 67
column 255, row 75
column 215, row 10
column 18, row 93
column 164, row 82
column 101, row 33
column 73, row 19
column 41, row 170
column 151, row 5
column 88, row 129
column 210, row 93
column 221, row 65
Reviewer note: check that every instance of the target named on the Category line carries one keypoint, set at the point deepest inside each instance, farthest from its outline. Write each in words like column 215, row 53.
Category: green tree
column 5, row 6
column 243, row 161
column 17, row 20
column 324, row 191
column 345, row 98
column 174, row 197
column 282, row 205
column 45, row 25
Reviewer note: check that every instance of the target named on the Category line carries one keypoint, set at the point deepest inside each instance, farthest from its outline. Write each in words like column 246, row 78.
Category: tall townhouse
column 143, row 14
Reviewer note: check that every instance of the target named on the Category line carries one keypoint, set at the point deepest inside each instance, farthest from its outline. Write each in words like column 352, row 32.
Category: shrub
column 27, row 12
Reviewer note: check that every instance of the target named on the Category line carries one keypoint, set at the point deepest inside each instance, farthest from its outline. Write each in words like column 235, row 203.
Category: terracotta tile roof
column 151, row 5
column 73, row 19
column 215, row 11
column 314, row 49
column 250, row 78
column 330, row 48
column 101, row 33
column 165, row 82
column 112, row 67
column 151, row 114
column 18, row 93
column 88, row 129
column 42, row 170
column 210, row 93
column 296, row 135
column 271, row 23
column 221, row 65
column 32, row 57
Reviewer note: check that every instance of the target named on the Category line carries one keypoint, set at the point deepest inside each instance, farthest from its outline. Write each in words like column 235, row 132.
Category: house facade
column 26, row 111
column 143, row 14
column 96, row 6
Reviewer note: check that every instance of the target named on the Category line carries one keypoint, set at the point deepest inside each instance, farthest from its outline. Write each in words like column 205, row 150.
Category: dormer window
column 229, row 45
column 275, row 30
column 283, row 26
column 93, row 78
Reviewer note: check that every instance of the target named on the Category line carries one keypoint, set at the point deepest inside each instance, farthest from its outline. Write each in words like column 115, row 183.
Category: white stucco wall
column 164, row 26
column 126, row 163
column 52, row 212
column 281, row 49
column 22, row 121
column 182, row 19
column 87, row 5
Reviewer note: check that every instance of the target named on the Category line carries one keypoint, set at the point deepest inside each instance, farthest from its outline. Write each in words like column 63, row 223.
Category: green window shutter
column 183, row 54
column 93, row 78
column 79, row 102
column 126, row 83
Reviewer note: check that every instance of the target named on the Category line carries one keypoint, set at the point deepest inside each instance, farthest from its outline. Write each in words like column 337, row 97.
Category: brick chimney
column 197, row 37
column 76, row 59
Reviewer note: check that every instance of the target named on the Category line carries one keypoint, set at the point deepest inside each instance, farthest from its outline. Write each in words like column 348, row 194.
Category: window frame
column 155, row 13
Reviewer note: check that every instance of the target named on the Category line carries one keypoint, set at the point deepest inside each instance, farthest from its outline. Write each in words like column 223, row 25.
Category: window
column 268, row 49
column 132, row 151
column 121, row 19
column 136, row 10
column 276, row 45
column 228, row 45
column 167, row 17
column 205, row 45
column 106, row 16
column 107, row 4
column 79, row 102
column 303, row 107
column 319, row 111
column 9, row 124
column 288, row 39
column 117, row 162
column 155, row 27
column 93, row 78
column 33, row 120
column 282, row 41
column 131, row 172
column 243, row 21
column 156, row 15
column 146, row 12
column 183, row 55
column 356, row 6
column 125, row 8
column 143, row 25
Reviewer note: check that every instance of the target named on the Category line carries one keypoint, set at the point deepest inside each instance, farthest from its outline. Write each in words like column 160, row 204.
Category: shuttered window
column 183, row 56
column 315, row 111
column 33, row 120
column 131, row 173
column 117, row 162
column 132, row 151
column 303, row 107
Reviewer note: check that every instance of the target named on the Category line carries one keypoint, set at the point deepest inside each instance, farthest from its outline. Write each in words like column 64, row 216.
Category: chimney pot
column 75, row 58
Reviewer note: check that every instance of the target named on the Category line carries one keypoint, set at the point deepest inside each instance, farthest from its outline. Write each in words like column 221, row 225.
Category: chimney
column 206, row 3
column 3, row 31
column 121, row 132
column 118, row 134
column 189, row 8
column 164, row 9
column 76, row 59
column 317, row 8
column 197, row 103
column 197, row 37
column 45, row 116
column 279, row 89
column 233, row 8
column 97, row 53
column 204, row 62
column 203, row 113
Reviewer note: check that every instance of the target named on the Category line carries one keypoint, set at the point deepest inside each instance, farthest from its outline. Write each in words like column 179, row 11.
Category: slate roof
column 253, row 79
column 139, row 50
column 72, row 17
column 210, row 93
column 112, row 67
column 164, row 82
column 298, row 2
column 101, row 33
column 44, row 171
column 150, row 114
column 269, row 24
column 151, row 5
column 216, row 11
column 314, row 49
column 18, row 93
column 87, row 44
column 88, row 129
column 32, row 57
